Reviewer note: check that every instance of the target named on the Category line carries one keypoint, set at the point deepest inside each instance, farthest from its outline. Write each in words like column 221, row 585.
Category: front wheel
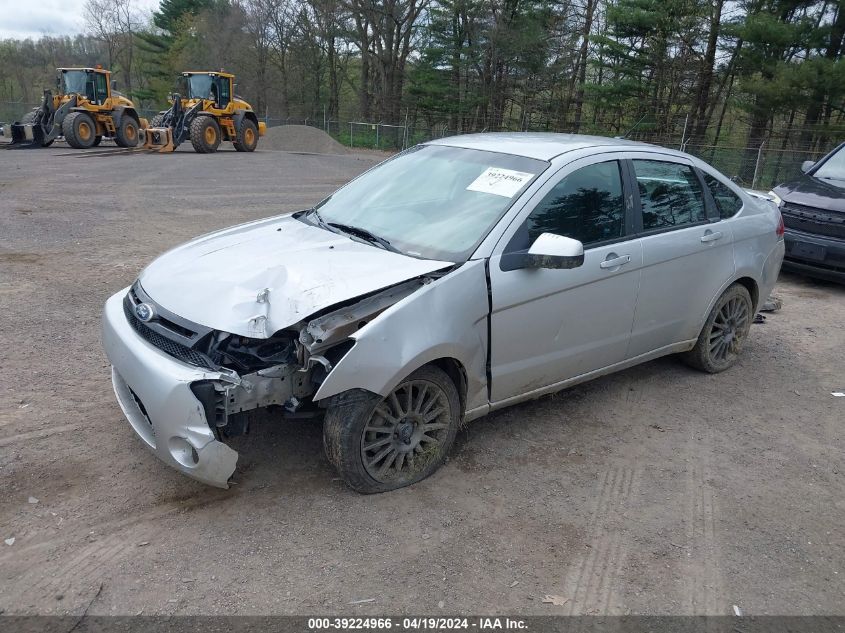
column 205, row 134
column 724, row 333
column 79, row 130
column 379, row 444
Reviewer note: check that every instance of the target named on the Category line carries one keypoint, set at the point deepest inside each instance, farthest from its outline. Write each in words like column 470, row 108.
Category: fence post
column 757, row 165
column 378, row 126
column 405, row 131
column 350, row 135
column 684, row 133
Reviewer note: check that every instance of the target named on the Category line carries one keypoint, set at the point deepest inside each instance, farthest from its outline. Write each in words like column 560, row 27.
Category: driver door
column 548, row 326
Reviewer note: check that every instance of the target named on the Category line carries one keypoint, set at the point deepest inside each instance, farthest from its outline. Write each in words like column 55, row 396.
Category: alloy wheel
column 405, row 431
column 729, row 330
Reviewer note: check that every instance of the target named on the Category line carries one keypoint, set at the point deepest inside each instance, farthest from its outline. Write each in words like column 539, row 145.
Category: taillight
column 781, row 229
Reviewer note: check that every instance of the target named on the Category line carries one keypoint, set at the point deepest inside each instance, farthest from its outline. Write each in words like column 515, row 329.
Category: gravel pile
column 300, row 138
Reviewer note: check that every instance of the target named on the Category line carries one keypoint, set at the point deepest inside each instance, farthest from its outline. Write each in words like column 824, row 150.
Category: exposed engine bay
column 283, row 370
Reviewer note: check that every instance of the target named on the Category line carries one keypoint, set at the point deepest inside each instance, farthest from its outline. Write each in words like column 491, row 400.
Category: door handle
column 615, row 262
column 711, row 237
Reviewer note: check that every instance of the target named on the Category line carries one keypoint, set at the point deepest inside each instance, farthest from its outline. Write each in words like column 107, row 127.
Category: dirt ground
column 658, row 490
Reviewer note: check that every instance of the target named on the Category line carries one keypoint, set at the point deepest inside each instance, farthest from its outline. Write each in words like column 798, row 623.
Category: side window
column 102, row 88
column 727, row 202
column 224, row 91
column 670, row 194
column 586, row 205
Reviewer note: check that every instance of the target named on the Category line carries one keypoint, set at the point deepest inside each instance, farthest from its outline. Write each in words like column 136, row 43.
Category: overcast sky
column 34, row 18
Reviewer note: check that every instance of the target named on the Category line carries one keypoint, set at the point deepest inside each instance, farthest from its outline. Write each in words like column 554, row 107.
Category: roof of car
column 540, row 145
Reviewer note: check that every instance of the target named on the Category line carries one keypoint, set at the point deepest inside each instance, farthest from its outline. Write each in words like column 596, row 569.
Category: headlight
column 776, row 199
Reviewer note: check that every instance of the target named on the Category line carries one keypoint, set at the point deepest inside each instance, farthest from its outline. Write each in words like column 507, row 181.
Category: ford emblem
column 144, row 312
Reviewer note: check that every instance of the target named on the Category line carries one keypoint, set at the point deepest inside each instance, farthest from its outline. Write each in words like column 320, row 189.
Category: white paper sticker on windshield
column 500, row 182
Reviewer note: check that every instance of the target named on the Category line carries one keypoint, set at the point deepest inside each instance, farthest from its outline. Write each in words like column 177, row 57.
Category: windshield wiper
column 320, row 221
column 357, row 231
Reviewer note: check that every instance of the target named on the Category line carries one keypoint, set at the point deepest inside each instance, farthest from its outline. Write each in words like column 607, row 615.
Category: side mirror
column 548, row 251
column 114, row 84
column 807, row 165
column 555, row 251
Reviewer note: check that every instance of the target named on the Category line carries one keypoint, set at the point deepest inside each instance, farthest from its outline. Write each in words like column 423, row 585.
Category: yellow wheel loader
column 85, row 109
column 209, row 113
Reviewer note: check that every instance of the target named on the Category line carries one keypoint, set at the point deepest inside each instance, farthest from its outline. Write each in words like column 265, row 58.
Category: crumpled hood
column 218, row 280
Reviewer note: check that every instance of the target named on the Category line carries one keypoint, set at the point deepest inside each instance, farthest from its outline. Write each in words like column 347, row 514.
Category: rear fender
column 240, row 115
column 118, row 113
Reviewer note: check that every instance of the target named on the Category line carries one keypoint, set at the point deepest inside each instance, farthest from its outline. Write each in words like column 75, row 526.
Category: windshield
column 73, row 82
column 833, row 168
column 432, row 201
column 199, row 86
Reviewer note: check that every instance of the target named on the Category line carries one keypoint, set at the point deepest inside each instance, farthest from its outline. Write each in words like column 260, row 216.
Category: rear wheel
column 97, row 140
column 724, row 333
column 80, row 130
column 126, row 134
column 205, row 134
column 247, row 138
column 379, row 444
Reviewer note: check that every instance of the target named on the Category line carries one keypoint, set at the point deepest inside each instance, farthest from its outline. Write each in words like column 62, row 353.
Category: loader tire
column 247, row 138
column 205, row 134
column 157, row 120
column 126, row 134
column 97, row 140
column 29, row 119
column 80, row 130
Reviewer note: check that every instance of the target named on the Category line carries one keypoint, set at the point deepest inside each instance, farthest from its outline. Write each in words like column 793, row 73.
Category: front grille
column 177, row 350
column 814, row 220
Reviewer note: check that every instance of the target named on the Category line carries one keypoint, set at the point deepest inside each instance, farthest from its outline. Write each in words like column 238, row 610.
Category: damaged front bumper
column 154, row 391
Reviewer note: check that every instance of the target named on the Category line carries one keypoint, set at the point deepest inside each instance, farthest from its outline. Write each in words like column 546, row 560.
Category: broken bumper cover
column 154, row 392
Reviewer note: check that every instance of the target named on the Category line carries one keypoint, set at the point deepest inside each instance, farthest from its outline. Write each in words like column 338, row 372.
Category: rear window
column 670, row 194
column 727, row 202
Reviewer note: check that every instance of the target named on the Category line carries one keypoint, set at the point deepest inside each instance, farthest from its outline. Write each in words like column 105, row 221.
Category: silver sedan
column 459, row 277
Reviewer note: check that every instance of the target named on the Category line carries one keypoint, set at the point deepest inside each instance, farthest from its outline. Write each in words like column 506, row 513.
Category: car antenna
column 626, row 134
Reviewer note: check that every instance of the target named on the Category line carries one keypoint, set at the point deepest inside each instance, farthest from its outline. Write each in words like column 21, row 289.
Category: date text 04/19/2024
column 417, row 624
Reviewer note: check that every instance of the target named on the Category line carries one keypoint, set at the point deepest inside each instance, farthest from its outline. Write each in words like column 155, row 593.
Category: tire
column 97, row 140
column 126, row 134
column 29, row 119
column 724, row 333
column 79, row 130
column 205, row 134
column 247, row 139
column 360, row 425
column 157, row 120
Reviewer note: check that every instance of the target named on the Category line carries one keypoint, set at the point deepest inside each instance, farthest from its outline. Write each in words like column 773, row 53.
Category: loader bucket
column 159, row 139
column 24, row 134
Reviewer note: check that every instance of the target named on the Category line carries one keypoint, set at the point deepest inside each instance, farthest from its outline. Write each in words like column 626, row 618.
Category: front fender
column 445, row 319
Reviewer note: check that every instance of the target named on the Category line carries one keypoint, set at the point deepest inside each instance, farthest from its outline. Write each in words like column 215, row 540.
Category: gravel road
column 658, row 490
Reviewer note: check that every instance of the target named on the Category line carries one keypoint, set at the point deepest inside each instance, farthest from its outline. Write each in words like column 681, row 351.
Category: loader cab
column 91, row 83
column 216, row 87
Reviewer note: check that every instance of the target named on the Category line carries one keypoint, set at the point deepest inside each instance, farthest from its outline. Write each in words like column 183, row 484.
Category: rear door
column 687, row 251
column 551, row 325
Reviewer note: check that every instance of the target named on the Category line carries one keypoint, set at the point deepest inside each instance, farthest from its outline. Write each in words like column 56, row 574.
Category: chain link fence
column 775, row 160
